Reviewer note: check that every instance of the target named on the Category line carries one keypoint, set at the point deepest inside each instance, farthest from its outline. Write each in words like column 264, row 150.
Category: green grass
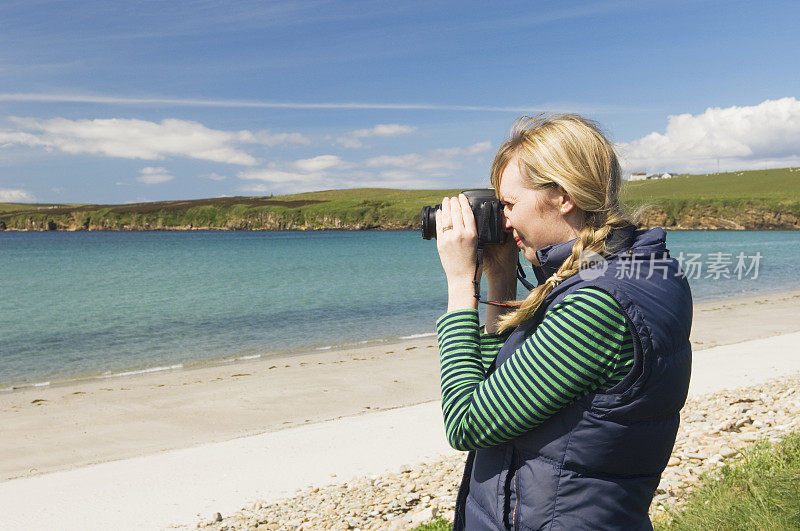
column 762, row 491
column 726, row 195
column 27, row 207
column 375, row 203
column 364, row 208
column 759, row 491
column 439, row 524
column 773, row 185
column 10, row 207
column 775, row 190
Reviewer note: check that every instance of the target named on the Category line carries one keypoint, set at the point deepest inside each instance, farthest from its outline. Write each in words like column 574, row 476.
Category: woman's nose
column 506, row 222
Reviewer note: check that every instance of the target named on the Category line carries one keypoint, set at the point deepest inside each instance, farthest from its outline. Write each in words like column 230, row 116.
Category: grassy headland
column 758, row 199
column 761, row 199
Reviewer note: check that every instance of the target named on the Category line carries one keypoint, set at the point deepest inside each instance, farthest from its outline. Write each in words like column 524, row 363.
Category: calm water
column 92, row 303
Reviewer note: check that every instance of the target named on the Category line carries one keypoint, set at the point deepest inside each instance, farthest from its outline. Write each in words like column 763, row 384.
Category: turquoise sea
column 81, row 304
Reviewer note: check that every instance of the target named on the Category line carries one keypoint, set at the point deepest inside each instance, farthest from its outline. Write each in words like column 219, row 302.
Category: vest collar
column 552, row 256
column 550, row 259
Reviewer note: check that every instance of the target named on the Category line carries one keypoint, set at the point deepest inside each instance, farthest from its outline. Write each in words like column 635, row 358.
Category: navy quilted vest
column 596, row 464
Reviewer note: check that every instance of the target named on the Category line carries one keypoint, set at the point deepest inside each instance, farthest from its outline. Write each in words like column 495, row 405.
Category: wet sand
column 62, row 427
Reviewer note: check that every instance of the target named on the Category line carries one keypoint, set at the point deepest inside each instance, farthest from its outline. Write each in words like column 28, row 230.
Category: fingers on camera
column 456, row 214
column 446, row 215
column 466, row 211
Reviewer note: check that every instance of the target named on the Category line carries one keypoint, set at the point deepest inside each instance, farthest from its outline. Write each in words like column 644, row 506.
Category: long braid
column 589, row 239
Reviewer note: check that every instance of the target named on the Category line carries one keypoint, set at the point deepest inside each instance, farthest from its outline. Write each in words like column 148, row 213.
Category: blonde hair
column 568, row 151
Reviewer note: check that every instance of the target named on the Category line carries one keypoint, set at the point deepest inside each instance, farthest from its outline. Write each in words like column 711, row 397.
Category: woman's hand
column 457, row 241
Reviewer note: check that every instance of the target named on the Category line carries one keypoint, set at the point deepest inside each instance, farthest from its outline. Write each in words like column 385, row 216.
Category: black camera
column 488, row 217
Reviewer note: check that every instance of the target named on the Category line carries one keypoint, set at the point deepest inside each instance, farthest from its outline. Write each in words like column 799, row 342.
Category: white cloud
column 214, row 177
column 474, row 149
column 397, row 179
column 276, row 139
column 257, row 188
column 437, row 162
column 349, row 142
column 307, row 174
column 9, row 138
column 415, row 161
column 731, row 138
column 154, row 175
column 320, row 163
column 140, row 139
column 386, row 130
column 288, row 182
column 412, row 170
column 279, row 176
column 14, row 196
column 352, row 139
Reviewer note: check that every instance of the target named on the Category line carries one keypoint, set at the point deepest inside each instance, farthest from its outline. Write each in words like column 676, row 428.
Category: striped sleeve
column 490, row 346
column 582, row 345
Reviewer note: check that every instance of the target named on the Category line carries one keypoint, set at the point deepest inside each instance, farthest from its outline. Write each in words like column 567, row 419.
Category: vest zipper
column 515, row 517
column 516, row 503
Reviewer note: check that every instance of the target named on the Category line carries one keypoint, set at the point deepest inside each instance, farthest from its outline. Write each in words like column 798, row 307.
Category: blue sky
column 112, row 102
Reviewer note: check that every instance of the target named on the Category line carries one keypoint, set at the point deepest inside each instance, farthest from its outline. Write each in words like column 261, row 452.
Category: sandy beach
column 185, row 442
column 63, row 427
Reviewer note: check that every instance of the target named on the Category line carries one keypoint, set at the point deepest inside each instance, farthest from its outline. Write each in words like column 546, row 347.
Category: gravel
column 714, row 428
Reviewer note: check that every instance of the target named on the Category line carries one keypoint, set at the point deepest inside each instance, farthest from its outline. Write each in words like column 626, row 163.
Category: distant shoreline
column 373, row 229
column 749, row 200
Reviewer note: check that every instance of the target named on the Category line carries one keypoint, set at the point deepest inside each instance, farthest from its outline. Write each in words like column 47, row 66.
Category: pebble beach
column 714, row 429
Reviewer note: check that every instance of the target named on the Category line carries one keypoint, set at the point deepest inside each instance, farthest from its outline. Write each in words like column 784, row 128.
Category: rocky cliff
column 270, row 221
column 709, row 217
column 683, row 217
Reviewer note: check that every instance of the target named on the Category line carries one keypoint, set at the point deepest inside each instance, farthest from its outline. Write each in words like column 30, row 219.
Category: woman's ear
column 565, row 204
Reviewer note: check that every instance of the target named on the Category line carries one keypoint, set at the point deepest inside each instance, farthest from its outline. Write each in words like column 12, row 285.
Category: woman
column 570, row 399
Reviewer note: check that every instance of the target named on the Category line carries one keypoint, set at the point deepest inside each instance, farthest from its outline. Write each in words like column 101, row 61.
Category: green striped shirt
column 582, row 345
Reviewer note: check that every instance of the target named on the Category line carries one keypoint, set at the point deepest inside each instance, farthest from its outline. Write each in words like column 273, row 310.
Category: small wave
column 325, row 348
column 417, row 336
column 143, row 371
column 24, row 386
column 253, row 357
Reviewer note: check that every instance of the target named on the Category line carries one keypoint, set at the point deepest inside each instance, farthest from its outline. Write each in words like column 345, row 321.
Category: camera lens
column 429, row 221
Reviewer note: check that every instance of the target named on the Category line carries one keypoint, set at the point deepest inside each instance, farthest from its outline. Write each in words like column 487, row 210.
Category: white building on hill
column 641, row 176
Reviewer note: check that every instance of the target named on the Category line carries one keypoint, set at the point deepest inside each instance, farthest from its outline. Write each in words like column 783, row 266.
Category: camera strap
column 521, row 277
column 476, row 280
